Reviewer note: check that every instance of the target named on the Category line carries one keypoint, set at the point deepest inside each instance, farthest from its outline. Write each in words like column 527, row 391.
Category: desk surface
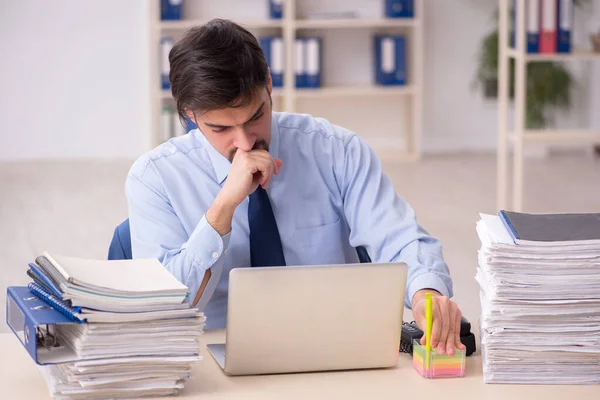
column 20, row 379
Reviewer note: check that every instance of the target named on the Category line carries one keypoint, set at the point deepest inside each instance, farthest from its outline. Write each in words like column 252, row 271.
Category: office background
column 76, row 111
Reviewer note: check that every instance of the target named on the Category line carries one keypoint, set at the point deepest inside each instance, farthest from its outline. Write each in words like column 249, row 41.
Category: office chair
column 120, row 246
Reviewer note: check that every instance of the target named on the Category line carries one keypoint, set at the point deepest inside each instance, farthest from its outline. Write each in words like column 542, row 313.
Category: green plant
column 549, row 84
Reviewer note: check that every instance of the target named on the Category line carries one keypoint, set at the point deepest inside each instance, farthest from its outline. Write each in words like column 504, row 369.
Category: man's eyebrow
column 258, row 111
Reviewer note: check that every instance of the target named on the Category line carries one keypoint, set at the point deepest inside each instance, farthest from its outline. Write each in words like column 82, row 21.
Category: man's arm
column 156, row 232
column 386, row 226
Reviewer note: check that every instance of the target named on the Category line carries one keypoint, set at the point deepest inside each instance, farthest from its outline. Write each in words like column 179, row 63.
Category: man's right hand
column 248, row 170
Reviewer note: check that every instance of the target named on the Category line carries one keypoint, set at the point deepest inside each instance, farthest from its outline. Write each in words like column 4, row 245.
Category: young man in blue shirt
column 254, row 187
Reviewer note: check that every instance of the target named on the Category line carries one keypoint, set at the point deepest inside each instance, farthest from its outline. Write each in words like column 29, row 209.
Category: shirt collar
column 221, row 164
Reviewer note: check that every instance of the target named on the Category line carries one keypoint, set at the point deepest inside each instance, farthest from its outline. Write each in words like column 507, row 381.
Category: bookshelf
column 519, row 136
column 288, row 97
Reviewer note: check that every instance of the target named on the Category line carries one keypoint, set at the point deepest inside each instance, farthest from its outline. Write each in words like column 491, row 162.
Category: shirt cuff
column 427, row 280
column 205, row 246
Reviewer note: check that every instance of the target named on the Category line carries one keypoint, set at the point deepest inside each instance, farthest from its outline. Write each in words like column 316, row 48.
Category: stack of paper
column 540, row 300
column 133, row 333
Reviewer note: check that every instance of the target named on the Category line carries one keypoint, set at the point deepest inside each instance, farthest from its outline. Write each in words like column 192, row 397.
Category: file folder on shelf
column 170, row 9
column 166, row 44
column 276, row 9
column 548, row 27
column 399, row 8
column 300, row 62
column 33, row 321
column 313, row 62
column 272, row 47
column 564, row 25
column 390, row 60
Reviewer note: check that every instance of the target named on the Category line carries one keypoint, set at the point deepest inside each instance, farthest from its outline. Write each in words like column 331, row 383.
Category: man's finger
column 457, row 341
column 452, row 328
column 436, row 328
column 442, row 306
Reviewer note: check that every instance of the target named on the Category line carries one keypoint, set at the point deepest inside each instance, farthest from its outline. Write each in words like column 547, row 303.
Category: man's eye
column 259, row 116
column 219, row 130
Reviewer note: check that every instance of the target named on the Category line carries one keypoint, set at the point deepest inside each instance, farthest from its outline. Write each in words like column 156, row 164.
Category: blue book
column 272, row 47
column 170, row 9
column 390, row 59
column 276, row 9
column 564, row 23
column 313, row 63
column 399, row 8
column 190, row 125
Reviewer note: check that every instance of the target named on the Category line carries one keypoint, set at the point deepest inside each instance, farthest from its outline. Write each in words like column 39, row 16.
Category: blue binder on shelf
column 313, row 64
column 390, row 60
column 564, row 23
column 272, row 47
column 170, row 9
column 399, row 8
column 190, row 125
column 33, row 321
column 276, row 9
column 533, row 26
column 166, row 44
column 300, row 62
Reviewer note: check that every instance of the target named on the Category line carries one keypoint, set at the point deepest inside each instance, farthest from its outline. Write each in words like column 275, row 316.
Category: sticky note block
column 440, row 365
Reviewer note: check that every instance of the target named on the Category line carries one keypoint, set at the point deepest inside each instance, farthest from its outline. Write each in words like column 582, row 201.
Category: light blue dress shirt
column 331, row 196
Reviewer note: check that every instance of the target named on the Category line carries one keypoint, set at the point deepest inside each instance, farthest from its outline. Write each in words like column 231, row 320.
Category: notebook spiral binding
column 53, row 301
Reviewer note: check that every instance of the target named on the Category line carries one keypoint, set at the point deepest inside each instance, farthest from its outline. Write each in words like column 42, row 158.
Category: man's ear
column 191, row 116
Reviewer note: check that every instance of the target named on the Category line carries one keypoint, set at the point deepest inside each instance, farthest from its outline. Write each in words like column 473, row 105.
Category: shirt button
column 215, row 255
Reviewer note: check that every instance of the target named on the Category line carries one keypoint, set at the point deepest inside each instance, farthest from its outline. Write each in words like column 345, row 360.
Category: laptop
column 312, row 318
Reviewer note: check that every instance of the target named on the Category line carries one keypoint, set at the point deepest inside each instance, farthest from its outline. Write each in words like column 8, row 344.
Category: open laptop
column 312, row 318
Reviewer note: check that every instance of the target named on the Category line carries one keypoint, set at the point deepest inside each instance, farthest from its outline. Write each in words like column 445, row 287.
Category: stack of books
column 539, row 276
column 107, row 329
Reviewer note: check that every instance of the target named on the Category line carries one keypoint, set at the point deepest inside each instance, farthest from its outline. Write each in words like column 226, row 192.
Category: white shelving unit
column 288, row 96
column 519, row 136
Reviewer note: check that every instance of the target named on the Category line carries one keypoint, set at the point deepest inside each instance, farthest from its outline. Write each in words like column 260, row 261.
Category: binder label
column 566, row 14
column 312, row 57
column 277, row 64
column 387, row 55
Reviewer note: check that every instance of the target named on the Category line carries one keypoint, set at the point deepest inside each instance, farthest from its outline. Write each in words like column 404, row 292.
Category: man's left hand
column 445, row 333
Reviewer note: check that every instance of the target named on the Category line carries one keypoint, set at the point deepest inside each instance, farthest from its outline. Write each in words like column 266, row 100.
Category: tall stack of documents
column 110, row 329
column 539, row 277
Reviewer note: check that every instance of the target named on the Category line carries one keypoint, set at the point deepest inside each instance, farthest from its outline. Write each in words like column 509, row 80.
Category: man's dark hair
column 214, row 66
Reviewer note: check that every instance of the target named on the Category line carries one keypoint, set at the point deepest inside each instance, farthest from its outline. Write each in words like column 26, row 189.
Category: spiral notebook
column 70, row 312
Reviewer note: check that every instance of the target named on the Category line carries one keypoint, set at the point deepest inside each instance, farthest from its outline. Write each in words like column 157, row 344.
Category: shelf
column 578, row 54
column 557, row 136
column 357, row 23
column 250, row 23
column 343, row 91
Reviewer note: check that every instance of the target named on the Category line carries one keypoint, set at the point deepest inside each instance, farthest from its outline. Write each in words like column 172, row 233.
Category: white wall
column 74, row 79
column 75, row 76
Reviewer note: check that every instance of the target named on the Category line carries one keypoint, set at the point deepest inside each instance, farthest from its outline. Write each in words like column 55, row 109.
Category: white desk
column 20, row 379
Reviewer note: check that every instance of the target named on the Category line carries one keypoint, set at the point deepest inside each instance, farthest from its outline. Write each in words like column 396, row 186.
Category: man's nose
column 243, row 140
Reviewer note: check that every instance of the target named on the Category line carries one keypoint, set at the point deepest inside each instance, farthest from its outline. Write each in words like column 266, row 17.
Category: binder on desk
column 33, row 321
column 272, row 47
column 390, row 60
column 564, row 23
column 166, row 44
column 548, row 26
column 276, row 9
column 313, row 61
column 399, row 8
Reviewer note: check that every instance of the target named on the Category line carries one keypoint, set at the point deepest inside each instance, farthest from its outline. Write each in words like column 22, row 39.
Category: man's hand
column 248, row 170
column 445, row 333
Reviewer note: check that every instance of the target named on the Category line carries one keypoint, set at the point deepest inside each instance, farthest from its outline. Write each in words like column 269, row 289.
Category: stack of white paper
column 540, row 319
column 140, row 337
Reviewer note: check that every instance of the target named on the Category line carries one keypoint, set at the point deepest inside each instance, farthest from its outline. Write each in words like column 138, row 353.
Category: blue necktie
column 265, row 243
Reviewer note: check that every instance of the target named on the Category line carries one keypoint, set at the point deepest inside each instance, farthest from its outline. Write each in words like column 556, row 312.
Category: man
column 253, row 187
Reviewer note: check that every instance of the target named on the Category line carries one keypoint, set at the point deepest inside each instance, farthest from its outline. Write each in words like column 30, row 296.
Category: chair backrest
column 120, row 246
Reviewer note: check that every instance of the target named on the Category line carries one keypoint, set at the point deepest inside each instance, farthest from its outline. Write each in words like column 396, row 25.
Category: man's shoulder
column 175, row 150
column 306, row 126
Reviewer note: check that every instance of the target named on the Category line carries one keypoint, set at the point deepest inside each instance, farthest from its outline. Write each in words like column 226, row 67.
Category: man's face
column 245, row 128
